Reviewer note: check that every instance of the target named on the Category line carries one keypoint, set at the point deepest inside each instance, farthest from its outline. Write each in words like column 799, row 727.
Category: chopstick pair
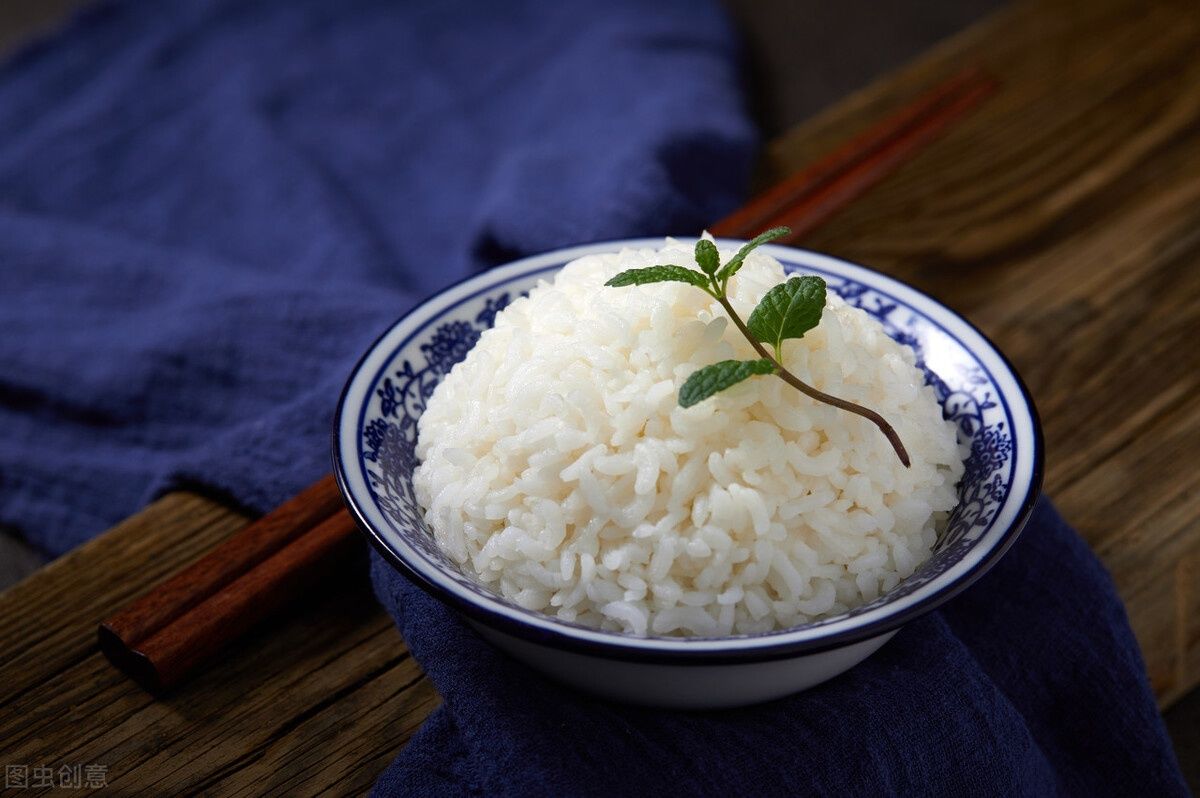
column 185, row 621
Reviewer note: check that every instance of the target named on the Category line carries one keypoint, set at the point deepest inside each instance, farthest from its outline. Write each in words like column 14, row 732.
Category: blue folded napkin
column 208, row 209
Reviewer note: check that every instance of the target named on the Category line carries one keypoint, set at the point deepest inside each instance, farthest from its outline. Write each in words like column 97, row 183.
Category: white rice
column 558, row 467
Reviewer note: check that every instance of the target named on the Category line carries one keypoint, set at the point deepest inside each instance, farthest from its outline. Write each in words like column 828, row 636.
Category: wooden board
column 1063, row 219
column 322, row 699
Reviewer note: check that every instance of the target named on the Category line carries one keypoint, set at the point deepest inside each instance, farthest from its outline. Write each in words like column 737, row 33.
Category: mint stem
column 806, row 389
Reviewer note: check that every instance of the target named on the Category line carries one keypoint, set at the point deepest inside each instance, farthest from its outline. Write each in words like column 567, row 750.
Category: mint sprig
column 735, row 263
column 659, row 274
column 787, row 311
column 707, row 257
column 719, row 376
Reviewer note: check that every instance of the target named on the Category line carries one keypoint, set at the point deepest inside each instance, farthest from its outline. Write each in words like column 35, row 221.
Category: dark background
column 802, row 56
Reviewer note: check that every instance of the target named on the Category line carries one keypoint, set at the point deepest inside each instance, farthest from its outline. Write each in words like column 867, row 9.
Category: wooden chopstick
column 163, row 657
column 185, row 621
column 133, row 639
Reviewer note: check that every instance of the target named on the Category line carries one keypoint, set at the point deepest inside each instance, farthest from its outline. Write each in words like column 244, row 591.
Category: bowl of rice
column 515, row 447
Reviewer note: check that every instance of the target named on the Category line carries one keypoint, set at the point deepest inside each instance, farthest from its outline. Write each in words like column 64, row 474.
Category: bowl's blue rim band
column 615, row 650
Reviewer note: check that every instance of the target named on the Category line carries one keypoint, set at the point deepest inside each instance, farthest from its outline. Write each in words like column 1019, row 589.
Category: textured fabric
column 1028, row 684
column 209, row 209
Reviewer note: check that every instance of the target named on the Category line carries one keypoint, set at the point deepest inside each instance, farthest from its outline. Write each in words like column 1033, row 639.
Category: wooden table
column 1063, row 218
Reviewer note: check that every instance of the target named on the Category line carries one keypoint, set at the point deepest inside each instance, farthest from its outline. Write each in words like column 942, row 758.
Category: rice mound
column 558, row 467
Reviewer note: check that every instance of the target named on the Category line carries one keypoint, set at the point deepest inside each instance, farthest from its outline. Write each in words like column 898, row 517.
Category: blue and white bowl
column 375, row 435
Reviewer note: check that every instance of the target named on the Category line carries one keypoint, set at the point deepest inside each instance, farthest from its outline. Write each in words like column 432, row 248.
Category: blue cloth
column 1028, row 684
column 208, row 210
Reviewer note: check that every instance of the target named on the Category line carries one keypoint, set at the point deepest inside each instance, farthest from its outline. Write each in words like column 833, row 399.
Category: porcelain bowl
column 375, row 435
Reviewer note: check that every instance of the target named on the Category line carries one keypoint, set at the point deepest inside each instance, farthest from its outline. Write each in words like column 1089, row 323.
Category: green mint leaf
column 789, row 310
column 659, row 274
column 719, row 376
column 735, row 263
column 707, row 257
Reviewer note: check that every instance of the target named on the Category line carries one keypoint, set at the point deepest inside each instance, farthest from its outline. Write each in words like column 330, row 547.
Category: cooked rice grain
column 559, row 469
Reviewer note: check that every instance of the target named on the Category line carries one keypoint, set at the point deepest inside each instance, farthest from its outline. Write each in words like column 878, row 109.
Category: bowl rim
column 733, row 649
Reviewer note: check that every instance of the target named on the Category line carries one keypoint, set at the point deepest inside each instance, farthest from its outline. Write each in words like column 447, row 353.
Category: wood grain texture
column 807, row 198
column 323, row 699
column 1062, row 217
